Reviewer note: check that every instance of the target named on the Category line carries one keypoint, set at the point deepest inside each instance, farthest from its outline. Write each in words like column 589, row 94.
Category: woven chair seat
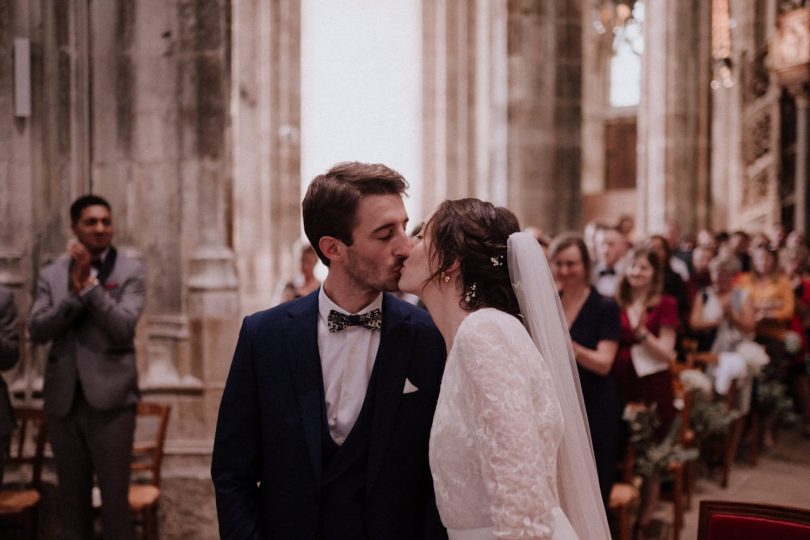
column 142, row 496
column 15, row 501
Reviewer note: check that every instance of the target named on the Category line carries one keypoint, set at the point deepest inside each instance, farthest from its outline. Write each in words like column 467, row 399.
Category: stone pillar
column 790, row 60
column 15, row 153
column 464, row 100
column 673, row 118
column 802, row 96
column 267, row 150
column 17, row 161
column 544, row 112
column 205, row 196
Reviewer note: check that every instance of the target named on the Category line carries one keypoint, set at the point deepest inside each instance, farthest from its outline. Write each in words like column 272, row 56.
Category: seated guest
column 649, row 326
column 673, row 283
column 611, row 246
column 722, row 315
column 699, row 277
column 302, row 284
column 593, row 321
column 794, row 263
column 739, row 244
column 774, row 305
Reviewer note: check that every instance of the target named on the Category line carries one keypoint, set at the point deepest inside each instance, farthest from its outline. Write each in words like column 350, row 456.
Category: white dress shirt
column 347, row 358
column 606, row 284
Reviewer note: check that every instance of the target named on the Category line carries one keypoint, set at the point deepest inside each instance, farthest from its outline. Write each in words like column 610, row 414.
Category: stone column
column 16, row 159
column 801, row 94
column 673, row 126
column 545, row 113
column 464, row 100
column 17, row 162
column 205, row 193
column 267, row 149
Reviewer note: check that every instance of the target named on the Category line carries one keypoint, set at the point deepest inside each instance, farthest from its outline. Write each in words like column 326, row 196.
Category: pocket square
column 409, row 387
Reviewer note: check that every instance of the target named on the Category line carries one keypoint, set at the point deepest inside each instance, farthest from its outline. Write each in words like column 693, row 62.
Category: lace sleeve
column 516, row 422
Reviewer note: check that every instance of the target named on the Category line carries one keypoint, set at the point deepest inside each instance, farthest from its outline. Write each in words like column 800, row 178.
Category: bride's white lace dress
column 496, row 431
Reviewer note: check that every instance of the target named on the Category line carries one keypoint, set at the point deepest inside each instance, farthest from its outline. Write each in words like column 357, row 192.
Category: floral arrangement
column 694, row 379
column 652, row 457
column 754, row 355
column 793, row 342
column 774, row 400
column 711, row 419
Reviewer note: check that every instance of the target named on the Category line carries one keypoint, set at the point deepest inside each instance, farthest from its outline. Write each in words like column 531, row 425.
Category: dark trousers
column 88, row 441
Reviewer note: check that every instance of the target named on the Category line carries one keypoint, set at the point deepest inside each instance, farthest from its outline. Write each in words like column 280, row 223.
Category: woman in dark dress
column 593, row 321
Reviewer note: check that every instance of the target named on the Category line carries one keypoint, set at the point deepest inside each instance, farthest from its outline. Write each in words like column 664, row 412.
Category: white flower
column 793, row 342
column 694, row 379
column 754, row 355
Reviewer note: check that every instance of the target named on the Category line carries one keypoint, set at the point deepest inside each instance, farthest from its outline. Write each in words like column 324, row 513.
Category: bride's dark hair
column 474, row 233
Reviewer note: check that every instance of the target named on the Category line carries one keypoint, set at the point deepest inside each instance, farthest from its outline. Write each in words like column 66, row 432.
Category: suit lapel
column 392, row 364
column 107, row 266
column 301, row 333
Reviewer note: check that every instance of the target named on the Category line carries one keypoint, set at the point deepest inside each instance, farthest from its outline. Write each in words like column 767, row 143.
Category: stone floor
column 782, row 476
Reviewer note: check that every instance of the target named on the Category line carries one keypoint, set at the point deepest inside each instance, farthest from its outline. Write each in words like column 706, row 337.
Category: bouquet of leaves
column 711, row 419
column 773, row 399
column 653, row 457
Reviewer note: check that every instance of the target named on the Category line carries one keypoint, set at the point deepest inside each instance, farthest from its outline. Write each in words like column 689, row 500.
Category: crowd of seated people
column 637, row 305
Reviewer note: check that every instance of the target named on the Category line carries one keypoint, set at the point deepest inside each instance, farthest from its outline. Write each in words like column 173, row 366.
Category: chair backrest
column 727, row 520
column 28, row 443
column 147, row 456
column 700, row 360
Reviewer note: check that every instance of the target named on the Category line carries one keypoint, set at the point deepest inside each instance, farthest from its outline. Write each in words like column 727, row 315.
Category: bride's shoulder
column 491, row 317
column 489, row 323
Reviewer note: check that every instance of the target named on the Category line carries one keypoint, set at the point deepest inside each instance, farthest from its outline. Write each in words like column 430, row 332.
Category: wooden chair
column 147, row 458
column 625, row 496
column 727, row 520
column 19, row 501
column 682, row 472
column 702, row 361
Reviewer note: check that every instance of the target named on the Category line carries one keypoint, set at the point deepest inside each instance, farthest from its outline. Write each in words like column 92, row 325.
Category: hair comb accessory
column 470, row 294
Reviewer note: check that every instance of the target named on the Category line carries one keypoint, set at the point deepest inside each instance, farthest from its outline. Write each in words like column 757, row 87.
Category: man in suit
column 9, row 354
column 325, row 419
column 88, row 304
column 611, row 247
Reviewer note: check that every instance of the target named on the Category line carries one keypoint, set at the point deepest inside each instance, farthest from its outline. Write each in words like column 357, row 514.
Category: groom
column 324, row 423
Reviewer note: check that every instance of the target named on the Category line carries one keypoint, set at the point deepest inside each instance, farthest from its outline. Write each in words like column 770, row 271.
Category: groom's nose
column 402, row 245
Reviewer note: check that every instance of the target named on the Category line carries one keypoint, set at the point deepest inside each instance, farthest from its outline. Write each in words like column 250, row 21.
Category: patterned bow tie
column 338, row 321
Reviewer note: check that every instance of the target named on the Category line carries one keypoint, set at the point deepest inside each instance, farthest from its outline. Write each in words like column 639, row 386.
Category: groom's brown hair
column 330, row 204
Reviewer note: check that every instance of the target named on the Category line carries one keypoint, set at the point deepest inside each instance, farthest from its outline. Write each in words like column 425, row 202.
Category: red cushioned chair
column 726, row 520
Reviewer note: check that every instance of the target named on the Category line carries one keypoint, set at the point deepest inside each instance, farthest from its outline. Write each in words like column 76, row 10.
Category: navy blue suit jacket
column 267, row 461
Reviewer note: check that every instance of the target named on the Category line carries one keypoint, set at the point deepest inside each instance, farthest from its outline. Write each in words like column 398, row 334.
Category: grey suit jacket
column 93, row 335
column 9, row 354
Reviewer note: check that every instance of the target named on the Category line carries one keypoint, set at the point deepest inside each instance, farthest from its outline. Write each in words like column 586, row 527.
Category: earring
column 445, row 277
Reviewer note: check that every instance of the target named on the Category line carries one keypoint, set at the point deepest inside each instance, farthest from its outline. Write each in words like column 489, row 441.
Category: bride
column 509, row 448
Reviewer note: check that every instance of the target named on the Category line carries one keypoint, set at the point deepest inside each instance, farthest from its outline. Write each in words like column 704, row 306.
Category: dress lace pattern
column 496, row 431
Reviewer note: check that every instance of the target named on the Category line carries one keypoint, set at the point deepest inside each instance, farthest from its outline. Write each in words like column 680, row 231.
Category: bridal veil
column 543, row 316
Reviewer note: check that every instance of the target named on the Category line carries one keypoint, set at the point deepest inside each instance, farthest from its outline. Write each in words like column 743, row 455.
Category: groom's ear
column 332, row 248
